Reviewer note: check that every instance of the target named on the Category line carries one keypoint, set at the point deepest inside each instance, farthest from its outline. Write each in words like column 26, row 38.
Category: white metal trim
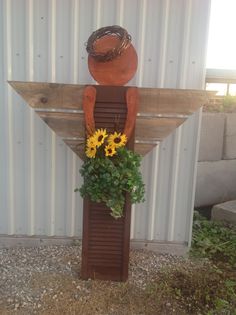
column 53, row 135
column 30, row 74
column 8, row 56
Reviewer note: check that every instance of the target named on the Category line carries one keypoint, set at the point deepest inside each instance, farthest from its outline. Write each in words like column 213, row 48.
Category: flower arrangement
column 110, row 170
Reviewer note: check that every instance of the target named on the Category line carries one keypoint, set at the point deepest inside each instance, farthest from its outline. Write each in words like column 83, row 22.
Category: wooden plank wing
column 160, row 111
column 50, row 95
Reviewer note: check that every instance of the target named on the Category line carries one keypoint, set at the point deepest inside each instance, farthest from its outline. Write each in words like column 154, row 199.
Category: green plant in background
column 110, row 171
column 229, row 101
column 214, row 240
column 199, row 289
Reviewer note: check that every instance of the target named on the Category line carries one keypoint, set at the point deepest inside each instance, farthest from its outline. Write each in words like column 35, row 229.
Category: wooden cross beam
column 160, row 111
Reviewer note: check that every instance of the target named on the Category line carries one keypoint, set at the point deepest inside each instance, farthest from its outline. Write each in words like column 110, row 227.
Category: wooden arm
column 132, row 99
column 89, row 98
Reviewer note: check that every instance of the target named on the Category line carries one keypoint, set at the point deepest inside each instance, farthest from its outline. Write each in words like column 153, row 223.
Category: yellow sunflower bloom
column 91, row 142
column 117, row 140
column 91, row 152
column 99, row 137
column 110, row 150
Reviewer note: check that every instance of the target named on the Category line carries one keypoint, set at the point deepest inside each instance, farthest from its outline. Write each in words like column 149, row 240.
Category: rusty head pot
column 112, row 59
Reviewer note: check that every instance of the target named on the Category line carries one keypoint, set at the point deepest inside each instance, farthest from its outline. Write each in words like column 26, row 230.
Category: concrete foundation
column 230, row 137
column 225, row 212
column 216, row 179
column 216, row 182
column 212, row 137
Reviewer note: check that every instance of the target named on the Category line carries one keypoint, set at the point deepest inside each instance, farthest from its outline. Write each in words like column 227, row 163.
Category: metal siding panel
column 18, row 38
column 60, row 186
column 78, row 218
column 3, row 135
column 183, row 204
column 42, row 149
column 63, row 40
column 193, row 175
column 85, row 28
column 7, row 51
column 40, row 40
column 195, row 74
column 70, row 201
column 199, row 25
column 131, row 9
column 62, row 64
column 151, row 43
column 174, row 39
column 40, row 152
column 163, row 189
column 19, row 119
column 20, row 166
column 141, row 211
column 44, row 41
column 107, row 12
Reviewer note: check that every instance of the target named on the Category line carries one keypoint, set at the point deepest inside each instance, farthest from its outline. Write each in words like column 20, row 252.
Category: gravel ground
column 34, row 280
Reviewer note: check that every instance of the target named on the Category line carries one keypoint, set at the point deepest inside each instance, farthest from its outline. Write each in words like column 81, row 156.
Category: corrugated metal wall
column 43, row 40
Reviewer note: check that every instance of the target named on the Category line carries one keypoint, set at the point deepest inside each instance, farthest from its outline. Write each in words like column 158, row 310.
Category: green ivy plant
column 109, row 176
column 214, row 240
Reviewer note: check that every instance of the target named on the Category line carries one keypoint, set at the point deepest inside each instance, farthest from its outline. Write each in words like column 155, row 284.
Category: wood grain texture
column 50, row 95
column 68, row 125
column 77, row 146
column 152, row 100
column 65, row 125
column 155, row 129
column 169, row 102
column 143, row 148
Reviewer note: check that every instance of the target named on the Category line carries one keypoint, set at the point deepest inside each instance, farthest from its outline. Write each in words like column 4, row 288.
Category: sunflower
column 110, row 150
column 99, row 137
column 91, row 151
column 117, row 139
column 91, row 142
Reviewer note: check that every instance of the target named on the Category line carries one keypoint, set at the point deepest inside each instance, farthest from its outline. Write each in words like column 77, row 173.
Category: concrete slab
column 230, row 137
column 6, row 241
column 225, row 212
column 212, row 137
column 216, row 182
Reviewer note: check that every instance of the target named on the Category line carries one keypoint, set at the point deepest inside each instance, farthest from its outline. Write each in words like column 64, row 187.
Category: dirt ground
column 46, row 280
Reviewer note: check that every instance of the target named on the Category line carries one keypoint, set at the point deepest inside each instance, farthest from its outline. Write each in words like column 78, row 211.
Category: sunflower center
column 117, row 140
column 109, row 150
column 100, row 138
column 92, row 149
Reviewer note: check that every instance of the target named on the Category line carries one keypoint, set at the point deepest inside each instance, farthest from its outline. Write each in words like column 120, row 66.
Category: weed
column 213, row 240
column 199, row 289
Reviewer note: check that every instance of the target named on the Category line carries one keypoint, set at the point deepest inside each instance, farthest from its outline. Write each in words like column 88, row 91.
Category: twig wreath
column 115, row 30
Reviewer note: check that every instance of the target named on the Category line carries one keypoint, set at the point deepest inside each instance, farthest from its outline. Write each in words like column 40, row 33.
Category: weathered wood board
column 50, row 95
column 160, row 111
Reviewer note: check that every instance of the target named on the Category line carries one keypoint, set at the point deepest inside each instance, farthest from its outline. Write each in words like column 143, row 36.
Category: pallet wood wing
column 160, row 111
